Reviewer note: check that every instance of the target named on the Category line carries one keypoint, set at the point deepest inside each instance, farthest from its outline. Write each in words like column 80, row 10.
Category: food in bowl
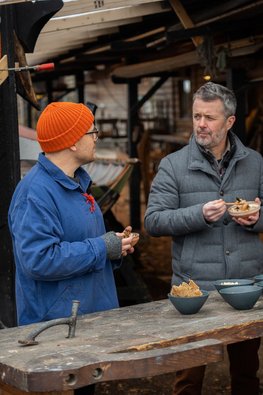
column 243, row 208
column 241, row 204
column 186, row 290
column 187, row 298
column 232, row 282
column 135, row 236
column 189, row 304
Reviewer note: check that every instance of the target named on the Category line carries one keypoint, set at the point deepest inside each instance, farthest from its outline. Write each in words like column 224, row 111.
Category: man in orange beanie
column 62, row 251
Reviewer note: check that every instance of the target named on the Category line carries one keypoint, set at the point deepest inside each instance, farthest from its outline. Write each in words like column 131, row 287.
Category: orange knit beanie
column 62, row 124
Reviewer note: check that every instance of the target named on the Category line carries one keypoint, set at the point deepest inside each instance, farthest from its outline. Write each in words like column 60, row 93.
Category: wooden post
column 10, row 168
column 135, row 205
column 80, row 86
column 236, row 82
column 49, row 88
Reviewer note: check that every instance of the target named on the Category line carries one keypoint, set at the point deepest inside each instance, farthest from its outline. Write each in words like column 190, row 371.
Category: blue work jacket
column 59, row 254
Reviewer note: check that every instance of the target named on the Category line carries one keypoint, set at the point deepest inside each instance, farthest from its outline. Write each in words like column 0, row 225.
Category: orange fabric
column 62, row 124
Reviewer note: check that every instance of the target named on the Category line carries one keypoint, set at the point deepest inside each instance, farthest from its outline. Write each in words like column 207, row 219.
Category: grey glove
column 113, row 245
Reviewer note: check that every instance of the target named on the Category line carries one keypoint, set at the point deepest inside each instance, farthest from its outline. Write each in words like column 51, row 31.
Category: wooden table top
column 137, row 341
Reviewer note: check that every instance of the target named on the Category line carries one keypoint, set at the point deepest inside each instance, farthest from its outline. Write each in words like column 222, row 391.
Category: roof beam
column 237, row 48
column 185, row 19
column 7, row 2
column 78, row 6
column 156, row 66
column 47, row 45
column 57, row 23
column 221, row 15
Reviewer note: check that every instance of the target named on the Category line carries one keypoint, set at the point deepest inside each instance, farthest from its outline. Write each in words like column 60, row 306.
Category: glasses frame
column 95, row 133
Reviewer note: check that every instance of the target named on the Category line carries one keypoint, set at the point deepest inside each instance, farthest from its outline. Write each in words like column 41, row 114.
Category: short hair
column 211, row 91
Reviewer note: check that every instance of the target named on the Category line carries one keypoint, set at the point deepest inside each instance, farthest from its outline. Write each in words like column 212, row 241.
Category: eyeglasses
column 95, row 133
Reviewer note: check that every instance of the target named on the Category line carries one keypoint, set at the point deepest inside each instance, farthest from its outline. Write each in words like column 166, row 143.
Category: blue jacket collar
column 59, row 176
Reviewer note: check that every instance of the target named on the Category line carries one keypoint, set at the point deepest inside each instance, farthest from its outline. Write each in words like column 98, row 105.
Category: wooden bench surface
column 137, row 341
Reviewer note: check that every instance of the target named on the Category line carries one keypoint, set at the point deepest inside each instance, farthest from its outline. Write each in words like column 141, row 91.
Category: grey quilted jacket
column 206, row 252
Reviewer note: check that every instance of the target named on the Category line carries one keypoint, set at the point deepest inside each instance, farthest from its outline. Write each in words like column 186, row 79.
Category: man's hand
column 214, row 210
column 250, row 220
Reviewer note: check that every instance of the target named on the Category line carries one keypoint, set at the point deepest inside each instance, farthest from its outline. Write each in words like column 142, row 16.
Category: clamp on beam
column 4, row 69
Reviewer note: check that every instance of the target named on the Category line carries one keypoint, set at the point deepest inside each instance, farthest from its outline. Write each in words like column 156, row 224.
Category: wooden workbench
column 131, row 342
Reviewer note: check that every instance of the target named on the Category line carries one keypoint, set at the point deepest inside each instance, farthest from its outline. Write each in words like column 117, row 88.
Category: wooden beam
column 137, row 106
column 76, row 30
column 135, row 179
column 185, row 19
column 6, row 2
column 10, row 168
column 80, row 6
column 147, row 34
column 182, row 60
column 47, row 45
column 94, row 18
column 238, row 11
column 156, row 66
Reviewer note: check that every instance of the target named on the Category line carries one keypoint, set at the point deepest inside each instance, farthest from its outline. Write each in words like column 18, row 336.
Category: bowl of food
column 241, row 297
column 242, row 208
column 188, row 298
column 232, row 282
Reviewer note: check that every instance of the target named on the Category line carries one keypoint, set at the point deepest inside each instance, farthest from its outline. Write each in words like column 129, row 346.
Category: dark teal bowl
column 259, row 284
column 241, row 297
column 189, row 305
column 258, row 278
column 232, row 282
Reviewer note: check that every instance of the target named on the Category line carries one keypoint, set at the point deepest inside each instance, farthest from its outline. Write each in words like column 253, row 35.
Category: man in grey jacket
column 187, row 201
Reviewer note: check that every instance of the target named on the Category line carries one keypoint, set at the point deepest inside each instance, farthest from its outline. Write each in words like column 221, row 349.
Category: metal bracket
column 70, row 321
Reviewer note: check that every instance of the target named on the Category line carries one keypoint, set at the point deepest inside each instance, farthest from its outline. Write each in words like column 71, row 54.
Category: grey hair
column 211, row 91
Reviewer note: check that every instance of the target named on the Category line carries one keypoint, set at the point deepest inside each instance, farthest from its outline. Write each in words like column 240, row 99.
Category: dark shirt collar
column 231, row 147
column 221, row 165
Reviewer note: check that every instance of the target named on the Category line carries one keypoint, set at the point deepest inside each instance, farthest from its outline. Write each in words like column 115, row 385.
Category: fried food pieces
column 241, row 205
column 135, row 236
column 242, row 208
column 126, row 233
column 185, row 290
